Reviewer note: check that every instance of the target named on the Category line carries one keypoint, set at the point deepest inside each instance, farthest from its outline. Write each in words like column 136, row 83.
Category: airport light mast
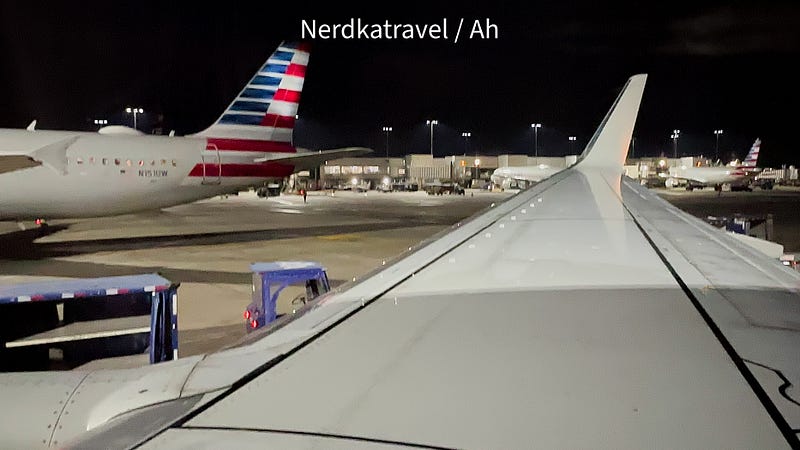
column 717, row 133
column 466, row 135
column 674, row 136
column 536, row 127
column 431, row 123
column 571, row 144
column 387, row 130
column 135, row 111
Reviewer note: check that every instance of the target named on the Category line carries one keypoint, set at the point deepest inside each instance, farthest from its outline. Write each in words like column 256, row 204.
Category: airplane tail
column 261, row 118
column 751, row 161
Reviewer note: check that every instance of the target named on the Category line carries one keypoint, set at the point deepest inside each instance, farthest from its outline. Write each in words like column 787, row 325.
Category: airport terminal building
column 419, row 170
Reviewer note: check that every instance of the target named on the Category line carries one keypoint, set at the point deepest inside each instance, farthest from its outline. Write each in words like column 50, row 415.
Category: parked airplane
column 521, row 176
column 699, row 177
column 584, row 312
column 54, row 174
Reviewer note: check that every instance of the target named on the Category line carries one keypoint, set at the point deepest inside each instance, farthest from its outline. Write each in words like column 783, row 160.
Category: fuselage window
column 79, row 160
column 116, row 161
column 163, row 162
column 128, row 162
column 105, row 161
column 91, row 160
column 174, row 163
column 141, row 163
column 152, row 162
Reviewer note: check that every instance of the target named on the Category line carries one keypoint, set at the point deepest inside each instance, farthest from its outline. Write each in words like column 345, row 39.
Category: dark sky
column 727, row 65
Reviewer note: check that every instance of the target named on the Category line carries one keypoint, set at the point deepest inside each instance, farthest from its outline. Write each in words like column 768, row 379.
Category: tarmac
column 208, row 246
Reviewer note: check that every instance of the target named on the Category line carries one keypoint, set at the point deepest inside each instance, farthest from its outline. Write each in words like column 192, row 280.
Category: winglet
column 609, row 145
column 32, row 126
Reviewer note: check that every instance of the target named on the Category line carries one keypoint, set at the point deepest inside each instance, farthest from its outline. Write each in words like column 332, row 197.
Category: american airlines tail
column 55, row 174
column 261, row 118
column 751, row 160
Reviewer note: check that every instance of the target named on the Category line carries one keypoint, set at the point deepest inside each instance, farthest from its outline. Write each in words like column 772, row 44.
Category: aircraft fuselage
column 100, row 175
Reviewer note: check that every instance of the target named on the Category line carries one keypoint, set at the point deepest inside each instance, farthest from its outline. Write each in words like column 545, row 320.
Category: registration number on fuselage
column 151, row 173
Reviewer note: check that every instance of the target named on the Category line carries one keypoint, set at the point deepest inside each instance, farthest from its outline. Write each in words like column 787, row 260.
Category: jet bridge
column 65, row 323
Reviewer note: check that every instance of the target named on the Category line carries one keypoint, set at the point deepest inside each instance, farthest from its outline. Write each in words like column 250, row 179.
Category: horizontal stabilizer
column 310, row 160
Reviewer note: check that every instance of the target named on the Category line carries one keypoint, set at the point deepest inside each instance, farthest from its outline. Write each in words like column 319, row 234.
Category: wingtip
column 609, row 145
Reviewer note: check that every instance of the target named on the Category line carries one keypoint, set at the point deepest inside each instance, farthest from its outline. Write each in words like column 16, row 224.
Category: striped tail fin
column 752, row 156
column 261, row 118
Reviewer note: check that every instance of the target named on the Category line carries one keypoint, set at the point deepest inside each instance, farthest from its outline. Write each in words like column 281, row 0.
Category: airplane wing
column 53, row 156
column 11, row 163
column 582, row 312
column 312, row 159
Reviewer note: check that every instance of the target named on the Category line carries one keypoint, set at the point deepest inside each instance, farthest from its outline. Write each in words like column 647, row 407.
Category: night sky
column 731, row 66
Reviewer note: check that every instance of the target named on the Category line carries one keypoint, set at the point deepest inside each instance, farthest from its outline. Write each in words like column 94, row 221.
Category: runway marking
column 287, row 211
column 340, row 237
column 282, row 202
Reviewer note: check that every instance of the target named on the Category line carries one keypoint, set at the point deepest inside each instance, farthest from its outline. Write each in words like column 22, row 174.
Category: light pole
column 536, row 127
column 135, row 111
column 717, row 133
column 571, row 146
column 674, row 136
column 466, row 135
column 431, row 123
column 387, row 130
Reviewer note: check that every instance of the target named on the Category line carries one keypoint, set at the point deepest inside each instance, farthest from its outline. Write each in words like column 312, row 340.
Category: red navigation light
column 247, row 314
column 254, row 323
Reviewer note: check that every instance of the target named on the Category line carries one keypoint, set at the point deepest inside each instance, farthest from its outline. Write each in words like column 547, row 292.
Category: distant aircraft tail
column 752, row 156
column 261, row 118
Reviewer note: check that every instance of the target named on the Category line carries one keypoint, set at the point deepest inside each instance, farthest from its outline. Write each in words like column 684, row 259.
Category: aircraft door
column 212, row 165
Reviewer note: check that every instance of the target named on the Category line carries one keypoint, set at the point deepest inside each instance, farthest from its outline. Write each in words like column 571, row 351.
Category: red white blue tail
column 749, row 165
column 261, row 118
column 752, row 156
